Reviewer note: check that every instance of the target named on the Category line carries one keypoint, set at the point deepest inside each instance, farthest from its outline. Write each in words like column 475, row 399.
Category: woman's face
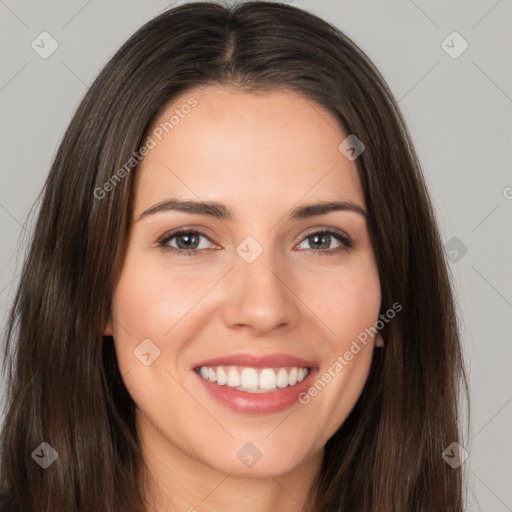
column 275, row 324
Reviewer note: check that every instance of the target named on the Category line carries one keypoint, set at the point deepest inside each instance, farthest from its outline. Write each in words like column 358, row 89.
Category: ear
column 108, row 328
column 379, row 340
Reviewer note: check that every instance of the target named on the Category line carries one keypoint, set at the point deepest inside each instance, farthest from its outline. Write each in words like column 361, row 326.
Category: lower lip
column 258, row 403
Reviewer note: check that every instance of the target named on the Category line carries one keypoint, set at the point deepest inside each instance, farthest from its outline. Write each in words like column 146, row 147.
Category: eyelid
column 162, row 241
column 325, row 229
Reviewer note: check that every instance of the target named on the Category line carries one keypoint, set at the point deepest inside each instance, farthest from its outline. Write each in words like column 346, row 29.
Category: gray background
column 458, row 111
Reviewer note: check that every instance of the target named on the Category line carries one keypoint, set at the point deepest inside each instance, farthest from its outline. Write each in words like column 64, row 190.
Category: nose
column 260, row 296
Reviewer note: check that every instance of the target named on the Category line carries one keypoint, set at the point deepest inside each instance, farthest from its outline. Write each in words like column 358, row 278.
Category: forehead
column 271, row 147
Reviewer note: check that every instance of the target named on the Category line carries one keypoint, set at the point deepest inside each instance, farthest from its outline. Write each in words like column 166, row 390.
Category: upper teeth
column 254, row 379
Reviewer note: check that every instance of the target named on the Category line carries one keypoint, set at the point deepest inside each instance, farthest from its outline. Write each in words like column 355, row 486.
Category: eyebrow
column 222, row 212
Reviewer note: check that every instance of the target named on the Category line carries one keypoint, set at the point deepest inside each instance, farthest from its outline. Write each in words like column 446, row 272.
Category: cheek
column 347, row 301
column 358, row 306
column 150, row 298
column 349, row 306
column 163, row 304
column 147, row 305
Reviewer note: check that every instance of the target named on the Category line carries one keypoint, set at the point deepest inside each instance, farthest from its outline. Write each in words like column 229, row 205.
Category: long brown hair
column 64, row 384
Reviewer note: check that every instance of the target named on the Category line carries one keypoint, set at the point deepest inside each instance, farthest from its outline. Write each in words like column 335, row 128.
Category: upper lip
column 257, row 361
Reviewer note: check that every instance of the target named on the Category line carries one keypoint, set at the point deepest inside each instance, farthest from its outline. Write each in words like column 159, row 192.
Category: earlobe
column 108, row 328
column 379, row 340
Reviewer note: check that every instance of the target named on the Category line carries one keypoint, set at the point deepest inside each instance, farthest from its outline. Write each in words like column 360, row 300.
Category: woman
column 236, row 294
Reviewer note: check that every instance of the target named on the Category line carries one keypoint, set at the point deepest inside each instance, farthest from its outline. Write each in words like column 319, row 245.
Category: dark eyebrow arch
column 222, row 212
column 303, row 212
column 211, row 209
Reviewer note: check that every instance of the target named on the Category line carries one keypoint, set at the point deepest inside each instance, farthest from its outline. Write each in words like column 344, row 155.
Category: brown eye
column 187, row 242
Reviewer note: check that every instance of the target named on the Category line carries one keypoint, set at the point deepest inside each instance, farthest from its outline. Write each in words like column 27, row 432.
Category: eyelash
column 345, row 241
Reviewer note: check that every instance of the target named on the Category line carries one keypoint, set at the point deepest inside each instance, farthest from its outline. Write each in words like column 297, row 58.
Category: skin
column 261, row 155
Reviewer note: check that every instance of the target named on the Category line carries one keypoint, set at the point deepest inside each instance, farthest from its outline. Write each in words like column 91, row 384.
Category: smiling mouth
column 254, row 380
